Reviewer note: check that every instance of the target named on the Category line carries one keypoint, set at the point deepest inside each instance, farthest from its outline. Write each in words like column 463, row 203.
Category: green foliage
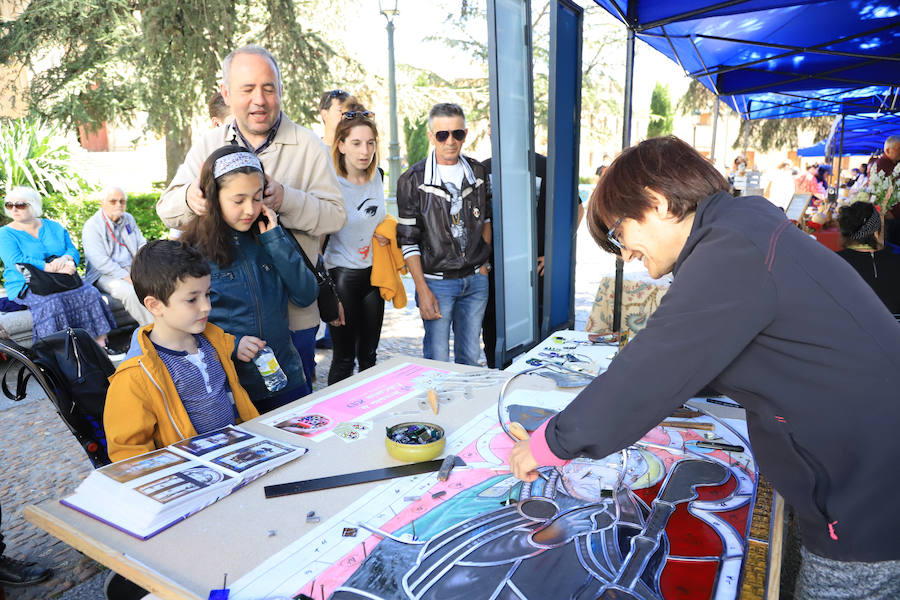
column 765, row 134
column 771, row 134
column 696, row 98
column 117, row 57
column 602, row 51
column 415, row 135
column 660, row 112
column 31, row 155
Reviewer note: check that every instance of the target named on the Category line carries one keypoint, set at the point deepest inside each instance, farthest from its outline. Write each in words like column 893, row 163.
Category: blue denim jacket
column 250, row 297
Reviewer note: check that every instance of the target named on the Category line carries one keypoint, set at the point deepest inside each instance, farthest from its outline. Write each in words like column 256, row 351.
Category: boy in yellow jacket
column 183, row 383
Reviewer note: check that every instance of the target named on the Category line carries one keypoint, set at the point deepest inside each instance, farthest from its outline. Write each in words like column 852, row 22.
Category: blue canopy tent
column 814, row 150
column 858, row 134
column 843, row 55
column 740, row 48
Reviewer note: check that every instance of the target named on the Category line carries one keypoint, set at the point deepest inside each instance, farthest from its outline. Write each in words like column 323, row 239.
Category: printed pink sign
column 357, row 402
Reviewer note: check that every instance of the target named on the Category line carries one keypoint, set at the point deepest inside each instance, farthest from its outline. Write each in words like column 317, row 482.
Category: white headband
column 235, row 160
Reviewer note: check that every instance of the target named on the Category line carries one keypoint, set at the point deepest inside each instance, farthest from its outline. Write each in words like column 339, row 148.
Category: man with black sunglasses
column 444, row 230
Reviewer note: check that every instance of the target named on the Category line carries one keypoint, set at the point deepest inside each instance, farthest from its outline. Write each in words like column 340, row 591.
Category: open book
column 146, row 494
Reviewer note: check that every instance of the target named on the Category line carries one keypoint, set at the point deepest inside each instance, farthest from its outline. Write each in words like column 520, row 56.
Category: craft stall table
column 479, row 532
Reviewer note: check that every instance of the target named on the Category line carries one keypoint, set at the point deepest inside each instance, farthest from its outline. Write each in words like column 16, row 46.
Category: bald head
column 113, row 203
column 892, row 147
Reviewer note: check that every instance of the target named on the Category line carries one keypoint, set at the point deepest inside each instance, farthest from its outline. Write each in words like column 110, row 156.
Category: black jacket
column 881, row 270
column 773, row 319
column 424, row 221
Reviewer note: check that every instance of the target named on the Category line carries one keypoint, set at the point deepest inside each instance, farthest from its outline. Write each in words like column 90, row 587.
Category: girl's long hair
column 209, row 233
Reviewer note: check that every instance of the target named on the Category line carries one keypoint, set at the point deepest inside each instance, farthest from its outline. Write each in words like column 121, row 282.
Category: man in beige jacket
column 300, row 183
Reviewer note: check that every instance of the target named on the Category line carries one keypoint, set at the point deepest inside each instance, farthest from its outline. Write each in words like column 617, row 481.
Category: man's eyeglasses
column 338, row 94
column 458, row 135
column 12, row 205
column 121, row 201
column 612, row 237
column 352, row 114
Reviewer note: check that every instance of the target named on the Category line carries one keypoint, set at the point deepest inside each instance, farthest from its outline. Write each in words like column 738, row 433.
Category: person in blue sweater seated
column 256, row 269
column 762, row 313
column 30, row 240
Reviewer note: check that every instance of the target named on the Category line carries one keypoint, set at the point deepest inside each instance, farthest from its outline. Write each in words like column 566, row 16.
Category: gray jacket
column 771, row 318
column 110, row 247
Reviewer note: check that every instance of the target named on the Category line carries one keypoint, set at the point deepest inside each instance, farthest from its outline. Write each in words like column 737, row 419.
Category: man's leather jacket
column 424, row 220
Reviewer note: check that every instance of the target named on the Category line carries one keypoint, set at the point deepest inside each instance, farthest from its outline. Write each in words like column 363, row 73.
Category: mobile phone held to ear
column 262, row 218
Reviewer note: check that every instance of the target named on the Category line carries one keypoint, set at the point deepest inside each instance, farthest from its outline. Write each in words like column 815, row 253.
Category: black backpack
column 73, row 371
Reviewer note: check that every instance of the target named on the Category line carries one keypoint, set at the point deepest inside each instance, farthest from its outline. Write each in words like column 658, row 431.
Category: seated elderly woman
column 30, row 240
column 862, row 234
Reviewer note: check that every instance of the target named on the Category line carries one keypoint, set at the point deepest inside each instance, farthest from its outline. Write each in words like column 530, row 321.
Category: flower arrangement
column 880, row 190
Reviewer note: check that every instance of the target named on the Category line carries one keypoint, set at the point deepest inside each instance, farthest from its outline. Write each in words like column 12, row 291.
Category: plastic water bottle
column 272, row 374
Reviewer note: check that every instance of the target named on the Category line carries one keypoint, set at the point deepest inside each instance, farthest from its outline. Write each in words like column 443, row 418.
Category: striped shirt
column 201, row 385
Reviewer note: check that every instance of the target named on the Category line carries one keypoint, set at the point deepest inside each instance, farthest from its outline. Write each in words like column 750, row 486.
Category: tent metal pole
column 840, row 156
column 626, row 142
column 712, row 147
column 746, row 138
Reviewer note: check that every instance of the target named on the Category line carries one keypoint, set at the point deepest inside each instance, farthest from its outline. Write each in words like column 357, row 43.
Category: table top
column 239, row 533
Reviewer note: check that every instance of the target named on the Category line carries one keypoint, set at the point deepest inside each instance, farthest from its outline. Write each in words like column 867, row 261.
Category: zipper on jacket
column 874, row 266
column 165, row 399
column 254, row 287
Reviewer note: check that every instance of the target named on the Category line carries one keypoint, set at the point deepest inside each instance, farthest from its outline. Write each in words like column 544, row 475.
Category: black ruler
column 326, row 483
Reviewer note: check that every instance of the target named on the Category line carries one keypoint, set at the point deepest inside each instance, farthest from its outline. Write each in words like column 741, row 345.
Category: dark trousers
column 304, row 341
column 356, row 340
column 2, row 545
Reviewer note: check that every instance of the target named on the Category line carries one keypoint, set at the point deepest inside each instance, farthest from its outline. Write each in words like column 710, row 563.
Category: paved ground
column 41, row 461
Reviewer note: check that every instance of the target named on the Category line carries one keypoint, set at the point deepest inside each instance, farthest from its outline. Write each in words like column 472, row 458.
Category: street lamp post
column 389, row 9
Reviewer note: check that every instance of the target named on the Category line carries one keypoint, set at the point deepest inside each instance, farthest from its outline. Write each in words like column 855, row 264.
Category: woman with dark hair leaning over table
column 862, row 234
column 45, row 246
column 754, row 306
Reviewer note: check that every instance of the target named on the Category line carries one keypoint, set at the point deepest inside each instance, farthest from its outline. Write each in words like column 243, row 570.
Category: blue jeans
column 461, row 303
column 305, row 342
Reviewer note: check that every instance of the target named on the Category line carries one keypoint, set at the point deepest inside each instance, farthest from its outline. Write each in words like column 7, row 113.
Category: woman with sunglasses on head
column 45, row 244
column 348, row 253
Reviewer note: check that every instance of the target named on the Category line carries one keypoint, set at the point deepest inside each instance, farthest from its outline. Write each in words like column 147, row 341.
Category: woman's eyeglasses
column 352, row 114
column 612, row 236
column 442, row 136
column 12, row 205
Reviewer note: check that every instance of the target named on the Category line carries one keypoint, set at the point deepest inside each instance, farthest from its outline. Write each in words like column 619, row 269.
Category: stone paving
column 41, row 460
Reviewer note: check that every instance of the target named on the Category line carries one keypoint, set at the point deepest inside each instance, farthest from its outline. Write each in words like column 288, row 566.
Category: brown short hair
column 217, row 107
column 160, row 264
column 666, row 165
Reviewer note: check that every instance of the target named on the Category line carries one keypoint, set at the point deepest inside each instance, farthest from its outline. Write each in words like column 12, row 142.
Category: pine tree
column 660, row 112
column 113, row 58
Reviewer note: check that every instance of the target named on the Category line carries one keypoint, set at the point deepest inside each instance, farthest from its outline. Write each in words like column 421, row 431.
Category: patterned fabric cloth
column 640, row 297
column 201, row 384
column 82, row 307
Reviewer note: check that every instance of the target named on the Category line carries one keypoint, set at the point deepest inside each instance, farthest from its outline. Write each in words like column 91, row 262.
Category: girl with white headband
column 256, row 270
